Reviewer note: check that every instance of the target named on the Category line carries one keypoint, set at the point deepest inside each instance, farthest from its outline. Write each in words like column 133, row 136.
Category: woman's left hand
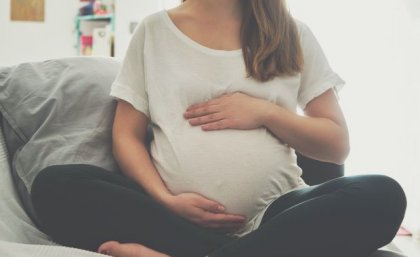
column 230, row 111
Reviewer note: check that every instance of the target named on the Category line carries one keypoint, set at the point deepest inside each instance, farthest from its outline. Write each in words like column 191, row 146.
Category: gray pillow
column 57, row 112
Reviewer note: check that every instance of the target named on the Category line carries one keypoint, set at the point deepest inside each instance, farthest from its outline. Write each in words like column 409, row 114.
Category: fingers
column 206, row 119
column 200, row 110
column 211, row 115
column 206, row 108
column 222, row 221
column 209, row 205
column 210, row 118
column 222, row 218
column 209, row 103
column 217, row 125
column 212, row 215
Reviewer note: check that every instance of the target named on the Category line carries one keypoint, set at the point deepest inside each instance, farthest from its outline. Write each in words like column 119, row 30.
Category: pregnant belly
column 243, row 170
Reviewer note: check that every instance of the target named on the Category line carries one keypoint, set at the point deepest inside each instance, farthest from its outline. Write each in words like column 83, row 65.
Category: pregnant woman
column 219, row 81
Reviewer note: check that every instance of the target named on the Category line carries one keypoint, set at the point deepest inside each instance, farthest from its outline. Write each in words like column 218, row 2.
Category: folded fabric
column 57, row 112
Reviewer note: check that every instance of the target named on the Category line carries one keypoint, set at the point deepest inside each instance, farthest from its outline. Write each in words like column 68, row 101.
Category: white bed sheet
column 9, row 249
column 18, row 235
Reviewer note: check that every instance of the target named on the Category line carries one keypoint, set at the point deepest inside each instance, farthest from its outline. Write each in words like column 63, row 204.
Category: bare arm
column 321, row 134
column 129, row 131
column 128, row 135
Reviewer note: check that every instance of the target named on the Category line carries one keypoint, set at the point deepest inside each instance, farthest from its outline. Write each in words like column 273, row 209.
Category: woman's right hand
column 204, row 212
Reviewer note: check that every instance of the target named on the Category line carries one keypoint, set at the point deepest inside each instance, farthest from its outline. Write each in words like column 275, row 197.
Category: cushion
column 15, row 225
column 57, row 112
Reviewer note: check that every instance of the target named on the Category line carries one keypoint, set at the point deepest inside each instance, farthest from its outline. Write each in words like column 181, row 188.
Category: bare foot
column 116, row 249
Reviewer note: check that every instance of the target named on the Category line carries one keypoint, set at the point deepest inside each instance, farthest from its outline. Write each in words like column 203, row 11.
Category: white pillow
column 15, row 225
column 25, row 250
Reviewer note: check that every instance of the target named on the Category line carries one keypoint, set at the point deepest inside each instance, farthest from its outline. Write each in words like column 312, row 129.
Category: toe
column 107, row 247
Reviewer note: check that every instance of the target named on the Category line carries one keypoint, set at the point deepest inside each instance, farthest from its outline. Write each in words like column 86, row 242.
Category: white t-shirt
column 165, row 71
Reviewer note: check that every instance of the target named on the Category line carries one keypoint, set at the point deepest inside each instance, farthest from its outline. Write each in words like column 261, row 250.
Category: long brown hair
column 270, row 41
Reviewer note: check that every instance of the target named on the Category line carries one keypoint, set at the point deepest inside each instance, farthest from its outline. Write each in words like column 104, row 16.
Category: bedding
column 15, row 225
column 8, row 249
column 57, row 112
column 19, row 237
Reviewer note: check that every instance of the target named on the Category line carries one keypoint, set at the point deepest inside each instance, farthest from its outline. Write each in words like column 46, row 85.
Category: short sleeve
column 130, row 83
column 317, row 75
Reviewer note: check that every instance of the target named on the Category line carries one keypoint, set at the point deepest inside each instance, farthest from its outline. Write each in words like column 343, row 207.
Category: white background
column 375, row 46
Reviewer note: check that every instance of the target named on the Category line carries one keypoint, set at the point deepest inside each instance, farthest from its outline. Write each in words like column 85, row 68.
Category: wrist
column 165, row 198
column 268, row 113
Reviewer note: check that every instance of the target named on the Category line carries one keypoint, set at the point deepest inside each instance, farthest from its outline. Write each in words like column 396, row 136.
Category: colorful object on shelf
column 86, row 44
column 99, row 8
column 93, row 15
column 87, row 9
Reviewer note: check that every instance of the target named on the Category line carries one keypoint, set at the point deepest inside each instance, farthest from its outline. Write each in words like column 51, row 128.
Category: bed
column 56, row 104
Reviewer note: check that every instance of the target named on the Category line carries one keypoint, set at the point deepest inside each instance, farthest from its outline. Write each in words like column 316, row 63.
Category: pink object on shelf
column 86, row 44
column 86, row 40
column 99, row 8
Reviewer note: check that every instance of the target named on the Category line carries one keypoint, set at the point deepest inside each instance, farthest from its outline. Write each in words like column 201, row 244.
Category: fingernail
column 221, row 208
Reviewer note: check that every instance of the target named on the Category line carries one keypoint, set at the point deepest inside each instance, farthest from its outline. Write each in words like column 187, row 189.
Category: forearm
column 321, row 135
column 135, row 162
column 318, row 138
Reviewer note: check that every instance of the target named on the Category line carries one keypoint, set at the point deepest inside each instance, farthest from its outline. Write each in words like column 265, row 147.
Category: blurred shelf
column 108, row 18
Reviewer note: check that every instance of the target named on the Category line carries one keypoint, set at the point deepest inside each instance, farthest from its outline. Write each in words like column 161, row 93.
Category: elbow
column 114, row 147
column 114, row 150
column 340, row 152
column 341, row 156
column 341, row 147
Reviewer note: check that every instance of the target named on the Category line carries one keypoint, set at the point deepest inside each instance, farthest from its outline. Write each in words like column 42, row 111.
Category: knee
column 385, row 198
column 391, row 204
column 389, row 192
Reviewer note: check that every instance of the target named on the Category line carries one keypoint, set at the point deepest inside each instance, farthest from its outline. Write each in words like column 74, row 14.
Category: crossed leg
column 350, row 216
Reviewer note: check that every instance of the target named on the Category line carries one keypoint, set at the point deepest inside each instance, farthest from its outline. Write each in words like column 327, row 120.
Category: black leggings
column 83, row 206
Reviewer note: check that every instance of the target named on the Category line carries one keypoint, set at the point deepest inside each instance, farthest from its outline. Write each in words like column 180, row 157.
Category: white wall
column 373, row 45
column 128, row 11
column 32, row 41
column 55, row 37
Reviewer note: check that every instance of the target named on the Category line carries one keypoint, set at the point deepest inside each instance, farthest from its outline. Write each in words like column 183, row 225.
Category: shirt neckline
column 195, row 44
